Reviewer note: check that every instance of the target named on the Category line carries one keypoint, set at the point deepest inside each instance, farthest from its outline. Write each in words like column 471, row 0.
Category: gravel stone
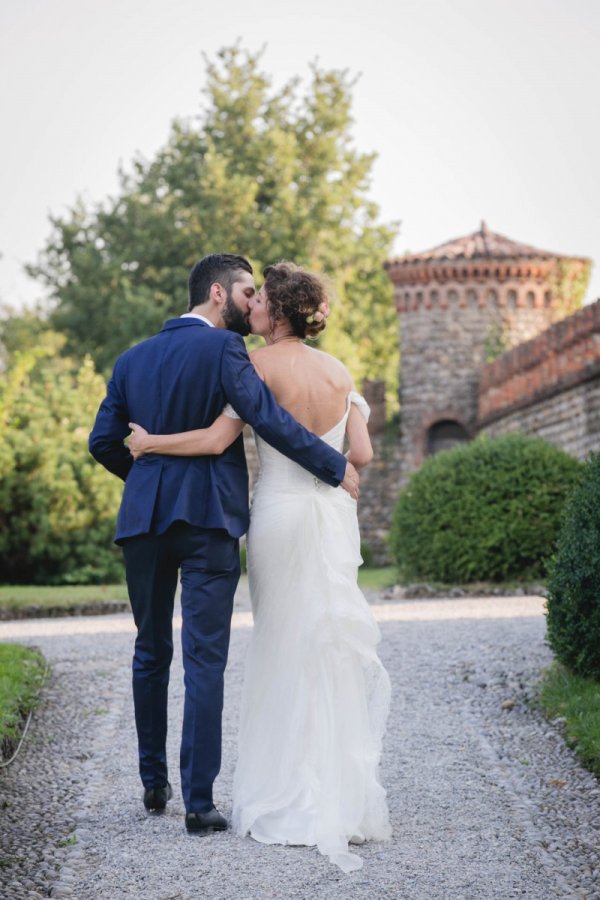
column 486, row 802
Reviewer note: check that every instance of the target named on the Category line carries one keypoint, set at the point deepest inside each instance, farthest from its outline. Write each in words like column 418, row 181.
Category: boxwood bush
column 489, row 510
column 574, row 582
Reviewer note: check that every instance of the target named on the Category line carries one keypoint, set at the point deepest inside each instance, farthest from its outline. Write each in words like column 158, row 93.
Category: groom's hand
column 351, row 480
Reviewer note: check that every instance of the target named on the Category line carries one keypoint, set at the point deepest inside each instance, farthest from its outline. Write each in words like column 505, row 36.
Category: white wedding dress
column 316, row 696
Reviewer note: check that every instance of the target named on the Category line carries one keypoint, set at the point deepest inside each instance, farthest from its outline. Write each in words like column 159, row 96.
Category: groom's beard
column 234, row 318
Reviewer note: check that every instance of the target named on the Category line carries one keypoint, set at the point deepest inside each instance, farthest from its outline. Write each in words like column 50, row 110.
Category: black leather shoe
column 205, row 822
column 155, row 799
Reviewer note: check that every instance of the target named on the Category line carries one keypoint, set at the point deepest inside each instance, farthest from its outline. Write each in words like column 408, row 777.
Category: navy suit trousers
column 209, row 563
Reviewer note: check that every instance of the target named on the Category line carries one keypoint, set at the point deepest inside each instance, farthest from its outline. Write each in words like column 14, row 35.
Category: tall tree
column 269, row 173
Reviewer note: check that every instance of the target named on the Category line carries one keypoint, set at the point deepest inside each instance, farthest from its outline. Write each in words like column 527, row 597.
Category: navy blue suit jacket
column 178, row 380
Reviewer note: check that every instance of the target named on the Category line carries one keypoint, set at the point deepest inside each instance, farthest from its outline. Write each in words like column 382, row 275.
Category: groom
column 187, row 513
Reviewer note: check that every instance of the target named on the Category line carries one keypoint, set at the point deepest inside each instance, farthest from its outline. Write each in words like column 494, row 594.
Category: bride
column 316, row 696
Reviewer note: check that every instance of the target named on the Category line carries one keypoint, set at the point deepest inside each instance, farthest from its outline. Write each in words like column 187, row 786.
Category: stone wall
column 380, row 485
column 446, row 330
column 549, row 386
column 570, row 420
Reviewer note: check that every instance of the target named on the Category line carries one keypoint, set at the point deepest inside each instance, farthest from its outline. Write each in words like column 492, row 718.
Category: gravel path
column 486, row 802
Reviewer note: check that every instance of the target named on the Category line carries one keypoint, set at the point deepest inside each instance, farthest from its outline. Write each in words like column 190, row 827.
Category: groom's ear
column 218, row 294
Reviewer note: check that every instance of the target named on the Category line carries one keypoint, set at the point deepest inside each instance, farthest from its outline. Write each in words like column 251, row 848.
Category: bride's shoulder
column 258, row 353
column 335, row 368
column 260, row 360
column 328, row 359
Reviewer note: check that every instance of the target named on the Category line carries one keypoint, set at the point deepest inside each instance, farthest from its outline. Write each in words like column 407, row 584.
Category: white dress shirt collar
column 197, row 316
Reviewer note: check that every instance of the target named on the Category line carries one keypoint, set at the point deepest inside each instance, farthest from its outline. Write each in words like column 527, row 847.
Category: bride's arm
column 201, row 442
column 361, row 452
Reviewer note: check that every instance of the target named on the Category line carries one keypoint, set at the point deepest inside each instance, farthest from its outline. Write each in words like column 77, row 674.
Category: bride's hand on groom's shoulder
column 351, row 481
column 137, row 440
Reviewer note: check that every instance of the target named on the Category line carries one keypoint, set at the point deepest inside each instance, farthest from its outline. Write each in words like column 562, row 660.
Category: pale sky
column 477, row 109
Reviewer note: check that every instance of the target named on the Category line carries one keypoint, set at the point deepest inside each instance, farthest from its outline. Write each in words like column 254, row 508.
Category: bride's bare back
column 313, row 386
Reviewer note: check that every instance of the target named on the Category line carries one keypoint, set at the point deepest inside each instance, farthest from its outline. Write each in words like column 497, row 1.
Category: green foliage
column 21, row 676
column 570, row 284
column 577, row 701
column 376, row 579
column 20, row 331
column 488, row 510
column 57, row 506
column 574, row 583
column 496, row 342
column 268, row 173
column 367, row 555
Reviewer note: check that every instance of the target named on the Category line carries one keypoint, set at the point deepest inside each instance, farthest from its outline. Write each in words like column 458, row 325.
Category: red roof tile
column 482, row 243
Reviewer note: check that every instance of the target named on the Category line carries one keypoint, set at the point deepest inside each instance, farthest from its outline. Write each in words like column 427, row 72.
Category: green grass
column 21, row 676
column 577, row 700
column 387, row 576
column 21, row 597
column 68, row 842
column 377, row 579
column 368, row 578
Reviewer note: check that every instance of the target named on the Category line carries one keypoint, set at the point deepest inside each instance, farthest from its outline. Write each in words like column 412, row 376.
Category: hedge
column 574, row 582
column 489, row 510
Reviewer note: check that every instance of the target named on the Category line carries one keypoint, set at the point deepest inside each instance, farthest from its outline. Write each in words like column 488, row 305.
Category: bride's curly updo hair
column 297, row 295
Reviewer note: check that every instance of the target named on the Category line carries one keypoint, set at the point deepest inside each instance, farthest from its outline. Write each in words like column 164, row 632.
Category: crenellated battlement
column 477, row 294
column 460, row 304
column 411, row 272
column 564, row 356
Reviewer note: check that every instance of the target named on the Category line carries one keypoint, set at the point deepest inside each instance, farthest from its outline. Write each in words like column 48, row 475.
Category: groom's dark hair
column 221, row 267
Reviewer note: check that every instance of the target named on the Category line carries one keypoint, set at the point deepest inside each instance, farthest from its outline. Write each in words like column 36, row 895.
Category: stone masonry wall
column 380, row 485
column 549, row 386
column 442, row 348
column 570, row 420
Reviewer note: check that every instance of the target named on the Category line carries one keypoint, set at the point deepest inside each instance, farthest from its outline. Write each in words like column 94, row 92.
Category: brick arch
column 448, row 414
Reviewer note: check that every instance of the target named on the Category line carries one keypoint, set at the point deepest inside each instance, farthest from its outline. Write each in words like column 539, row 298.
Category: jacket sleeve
column 255, row 403
column 110, row 430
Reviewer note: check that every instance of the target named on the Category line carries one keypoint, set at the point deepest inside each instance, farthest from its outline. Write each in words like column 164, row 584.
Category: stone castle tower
column 461, row 304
